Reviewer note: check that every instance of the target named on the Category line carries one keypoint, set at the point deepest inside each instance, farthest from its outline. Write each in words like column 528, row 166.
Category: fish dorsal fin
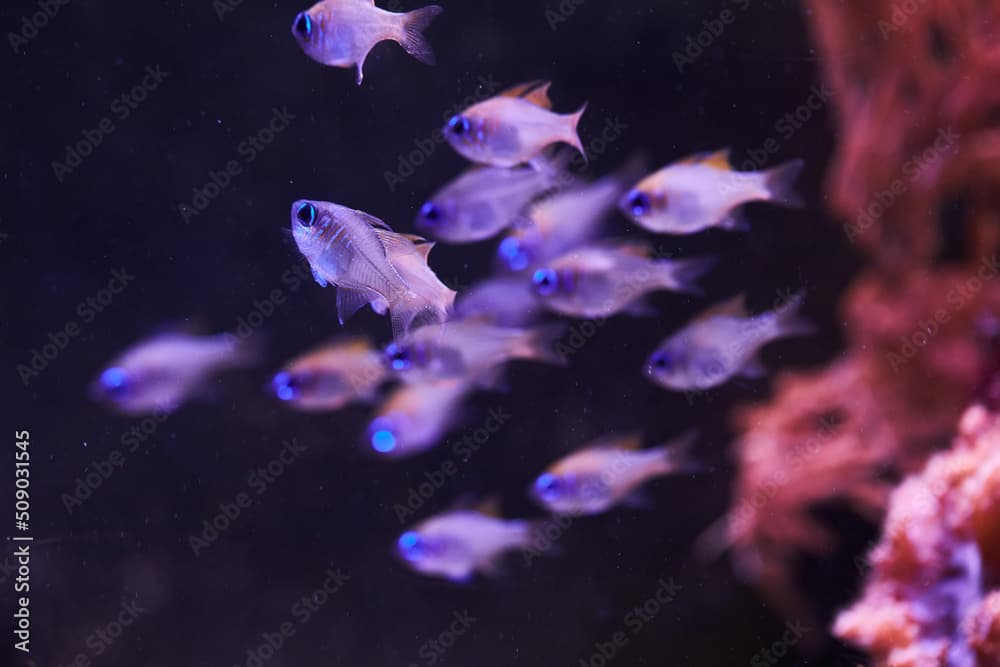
column 424, row 247
column 536, row 92
column 733, row 307
column 392, row 241
column 635, row 248
column 626, row 443
column 718, row 159
column 356, row 344
column 489, row 506
column 376, row 223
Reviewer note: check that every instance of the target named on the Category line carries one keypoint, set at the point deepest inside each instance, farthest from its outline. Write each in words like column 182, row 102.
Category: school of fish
column 559, row 256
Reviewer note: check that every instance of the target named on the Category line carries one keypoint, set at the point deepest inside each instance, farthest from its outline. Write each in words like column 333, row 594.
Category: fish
column 458, row 544
column 723, row 343
column 162, row 373
column 512, row 128
column 414, row 417
column 341, row 33
column 605, row 279
column 704, row 191
column 469, row 349
column 484, row 201
column 506, row 301
column 564, row 220
column 608, row 472
column 370, row 265
column 332, row 376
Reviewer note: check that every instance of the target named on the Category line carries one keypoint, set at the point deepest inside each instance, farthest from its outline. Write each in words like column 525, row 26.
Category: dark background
column 119, row 209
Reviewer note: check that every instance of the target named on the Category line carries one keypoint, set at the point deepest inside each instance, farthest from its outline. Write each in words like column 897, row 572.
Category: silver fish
column 162, row 373
column 484, row 201
column 721, row 344
column 605, row 279
column 512, row 128
column 342, row 32
column 370, row 264
column 607, row 473
column 458, row 544
column 703, row 191
column 414, row 417
column 331, row 376
column 471, row 350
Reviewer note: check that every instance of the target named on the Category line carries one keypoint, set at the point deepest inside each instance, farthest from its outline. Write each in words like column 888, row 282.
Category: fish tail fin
column 572, row 134
column 412, row 37
column 244, row 351
column 780, row 184
column 536, row 540
column 789, row 322
column 539, row 344
column 681, row 275
column 676, row 457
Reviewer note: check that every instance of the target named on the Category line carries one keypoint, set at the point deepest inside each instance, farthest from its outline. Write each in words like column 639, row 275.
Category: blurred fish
column 370, row 264
column 456, row 545
column 604, row 279
column 342, row 32
column 414, row 417
column 608, row 472
column 163, row 372
column 332, row 376
column 564, row 220
column 470, row 349
column 512, row 128
column 506, row 301
column 702, row 191
column 722, row 343
column 484, row 201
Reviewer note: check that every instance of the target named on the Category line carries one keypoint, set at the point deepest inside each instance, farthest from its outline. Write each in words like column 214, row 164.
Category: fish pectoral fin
column 319, row 279
column 350, row 301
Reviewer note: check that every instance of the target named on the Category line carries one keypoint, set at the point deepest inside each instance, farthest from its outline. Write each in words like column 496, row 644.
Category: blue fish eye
column 512, row 254
column 430, row 213
column 303, row 25
column 284, row 385
column 382, row 438
column 114, row 379
column 410, row 545
column 547, row 486
column 306, row 214
column 662, row 361
column 398, row 356
column 458, row 125
column 638, row 202
column 546, row 281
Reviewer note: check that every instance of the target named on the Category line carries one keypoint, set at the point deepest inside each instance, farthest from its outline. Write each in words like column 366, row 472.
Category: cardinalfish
column 458, row 544
column 565, row 220
column 370, row 264
column 414, row 417
column 469, row 349
column 484, row 201
column 512, row 128
column 331, row 376
column 609, row 472
column 163, row 372
column 342, row 32
column 506, row 301
column 722, row 343
column 704, row 191
column 605, row 279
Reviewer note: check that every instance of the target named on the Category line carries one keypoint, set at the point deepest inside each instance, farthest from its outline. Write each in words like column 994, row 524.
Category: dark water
column 128, row 207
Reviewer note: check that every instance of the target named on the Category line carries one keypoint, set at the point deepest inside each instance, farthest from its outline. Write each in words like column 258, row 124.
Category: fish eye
column 662, row 361
column 546, row 281
column 114, row 380
column 548, row 486
column 306, row 214
column 398, row 356
column 410, row 545
column 513, row 254
column 381, row 436
column 430, row 213
column 459, row 125
column 286, row 386
column 303, row 25
column 638, row 202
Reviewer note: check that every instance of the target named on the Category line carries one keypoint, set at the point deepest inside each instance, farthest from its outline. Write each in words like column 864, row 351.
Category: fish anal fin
column 350, row 301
